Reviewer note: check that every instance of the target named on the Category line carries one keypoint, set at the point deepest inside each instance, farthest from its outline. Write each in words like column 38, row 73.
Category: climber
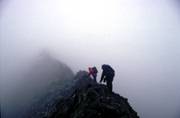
column 107, row 75
column 93, row 71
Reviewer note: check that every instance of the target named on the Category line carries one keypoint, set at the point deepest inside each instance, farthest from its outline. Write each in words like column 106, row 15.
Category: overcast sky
column 139, row 38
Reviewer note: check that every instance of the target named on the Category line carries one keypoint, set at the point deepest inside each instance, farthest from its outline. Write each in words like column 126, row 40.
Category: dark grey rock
column 89, row 99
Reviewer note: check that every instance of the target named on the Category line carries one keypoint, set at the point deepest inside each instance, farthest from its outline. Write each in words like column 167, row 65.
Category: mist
column 139, row 39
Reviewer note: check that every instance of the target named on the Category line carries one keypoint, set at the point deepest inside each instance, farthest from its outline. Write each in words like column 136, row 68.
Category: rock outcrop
column 88, row 99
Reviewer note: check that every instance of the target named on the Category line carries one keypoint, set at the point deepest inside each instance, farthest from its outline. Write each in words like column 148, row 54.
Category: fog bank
column 139, row 38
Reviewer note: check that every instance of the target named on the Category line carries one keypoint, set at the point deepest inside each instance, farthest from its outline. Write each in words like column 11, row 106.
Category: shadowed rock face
column 88, row 99
column 40, row 87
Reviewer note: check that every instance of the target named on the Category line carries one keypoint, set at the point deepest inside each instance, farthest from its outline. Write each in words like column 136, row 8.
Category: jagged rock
column 89, row 99
column 83, row 98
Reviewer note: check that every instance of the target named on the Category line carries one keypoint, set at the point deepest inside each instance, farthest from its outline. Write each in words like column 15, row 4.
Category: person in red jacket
column 93, row 72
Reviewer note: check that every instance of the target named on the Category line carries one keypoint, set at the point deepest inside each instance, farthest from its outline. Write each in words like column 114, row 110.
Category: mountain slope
column 39, row 83
column 87, row 99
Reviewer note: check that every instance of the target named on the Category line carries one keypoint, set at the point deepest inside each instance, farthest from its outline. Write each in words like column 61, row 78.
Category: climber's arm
column 102, row 77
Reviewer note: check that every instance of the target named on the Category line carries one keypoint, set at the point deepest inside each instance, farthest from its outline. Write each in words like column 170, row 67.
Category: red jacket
column 92, row 71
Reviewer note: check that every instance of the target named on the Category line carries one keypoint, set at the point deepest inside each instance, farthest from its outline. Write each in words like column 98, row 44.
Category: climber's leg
column 109, row 85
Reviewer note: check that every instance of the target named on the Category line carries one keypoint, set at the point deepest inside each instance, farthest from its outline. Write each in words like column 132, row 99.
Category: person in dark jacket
column 107, row 75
